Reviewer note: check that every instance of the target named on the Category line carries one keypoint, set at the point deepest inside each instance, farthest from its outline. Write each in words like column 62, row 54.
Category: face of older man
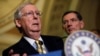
column 30, row 20
column 71, row 23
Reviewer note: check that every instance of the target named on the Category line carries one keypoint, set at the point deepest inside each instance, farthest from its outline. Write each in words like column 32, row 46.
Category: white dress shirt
column 32, row 42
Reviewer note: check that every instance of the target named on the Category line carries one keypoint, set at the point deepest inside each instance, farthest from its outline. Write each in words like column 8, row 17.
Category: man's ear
column 82, row 24
column 17, row 22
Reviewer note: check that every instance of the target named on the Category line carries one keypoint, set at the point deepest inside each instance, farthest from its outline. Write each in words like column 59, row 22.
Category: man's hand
column 11, row 53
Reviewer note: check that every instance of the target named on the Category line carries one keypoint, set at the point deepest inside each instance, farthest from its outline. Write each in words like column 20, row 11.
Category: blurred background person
column 72, row 21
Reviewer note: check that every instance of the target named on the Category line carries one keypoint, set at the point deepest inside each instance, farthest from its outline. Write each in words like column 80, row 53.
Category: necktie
column 40, row 48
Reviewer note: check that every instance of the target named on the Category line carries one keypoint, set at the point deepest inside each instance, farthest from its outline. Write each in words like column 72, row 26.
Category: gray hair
column 18, row 13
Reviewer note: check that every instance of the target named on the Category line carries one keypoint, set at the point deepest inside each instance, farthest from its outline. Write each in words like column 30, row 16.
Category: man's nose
column 35, row 15
column 69, row 24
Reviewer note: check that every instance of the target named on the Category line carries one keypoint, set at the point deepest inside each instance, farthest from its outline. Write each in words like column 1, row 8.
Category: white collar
column 31, row 41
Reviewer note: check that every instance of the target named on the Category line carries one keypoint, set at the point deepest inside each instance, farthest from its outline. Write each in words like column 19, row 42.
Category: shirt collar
column 30, row 40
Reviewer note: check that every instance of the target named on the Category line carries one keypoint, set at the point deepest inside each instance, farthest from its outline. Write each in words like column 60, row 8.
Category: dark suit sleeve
column 22, row 46
column 5, row 53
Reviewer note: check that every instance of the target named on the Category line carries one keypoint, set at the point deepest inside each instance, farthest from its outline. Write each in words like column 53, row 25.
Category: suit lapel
column 27, row 47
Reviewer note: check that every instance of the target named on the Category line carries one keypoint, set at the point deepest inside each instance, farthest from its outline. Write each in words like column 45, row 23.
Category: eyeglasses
column 31, row 13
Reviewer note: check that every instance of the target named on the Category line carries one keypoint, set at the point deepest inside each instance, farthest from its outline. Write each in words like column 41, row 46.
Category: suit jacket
column 52, row 43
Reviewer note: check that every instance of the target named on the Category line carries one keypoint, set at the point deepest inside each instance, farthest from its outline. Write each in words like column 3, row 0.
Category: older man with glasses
column 27, row 20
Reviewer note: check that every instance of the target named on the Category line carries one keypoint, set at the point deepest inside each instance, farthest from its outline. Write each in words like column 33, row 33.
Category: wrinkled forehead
column 29, row 7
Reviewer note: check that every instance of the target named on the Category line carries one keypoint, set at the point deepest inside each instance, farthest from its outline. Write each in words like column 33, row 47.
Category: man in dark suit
column 27, row 20
column 72, row 21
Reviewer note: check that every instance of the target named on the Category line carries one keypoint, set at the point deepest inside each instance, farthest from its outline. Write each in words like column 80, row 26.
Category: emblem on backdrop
column 82, row 43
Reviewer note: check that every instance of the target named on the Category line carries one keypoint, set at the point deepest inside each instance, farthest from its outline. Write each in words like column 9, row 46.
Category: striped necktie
column 40, row 48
